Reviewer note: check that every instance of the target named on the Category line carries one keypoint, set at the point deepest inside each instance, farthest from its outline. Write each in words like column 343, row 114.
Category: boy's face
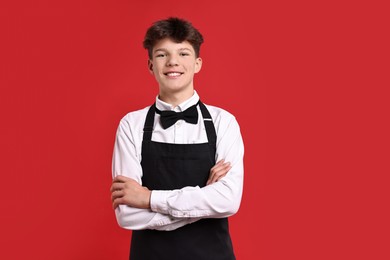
column 174, row 65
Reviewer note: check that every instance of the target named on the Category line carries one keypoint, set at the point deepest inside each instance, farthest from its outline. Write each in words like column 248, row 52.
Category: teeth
column 173, row 74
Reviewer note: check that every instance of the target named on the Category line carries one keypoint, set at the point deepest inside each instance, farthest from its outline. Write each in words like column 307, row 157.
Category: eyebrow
column 181, row 49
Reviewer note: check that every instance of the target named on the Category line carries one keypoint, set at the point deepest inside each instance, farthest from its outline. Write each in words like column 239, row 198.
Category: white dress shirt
column 171, row 209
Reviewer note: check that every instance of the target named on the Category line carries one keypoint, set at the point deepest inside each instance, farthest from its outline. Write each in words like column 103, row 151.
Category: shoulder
column 134, row 115
column 219, row 114
column 223, row 120
column 134, row 119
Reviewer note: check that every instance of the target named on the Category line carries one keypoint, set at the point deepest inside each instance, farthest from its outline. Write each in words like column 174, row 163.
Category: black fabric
column 169, row 166
column 168, row 117
column 209, row 125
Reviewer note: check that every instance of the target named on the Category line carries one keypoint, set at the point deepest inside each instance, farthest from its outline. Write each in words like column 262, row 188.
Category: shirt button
column 178, row 123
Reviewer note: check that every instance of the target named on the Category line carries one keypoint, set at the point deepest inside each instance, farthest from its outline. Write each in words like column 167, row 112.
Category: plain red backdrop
column 307, row 81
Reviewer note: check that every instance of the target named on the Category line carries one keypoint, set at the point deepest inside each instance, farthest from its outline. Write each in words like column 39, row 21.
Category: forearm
column 138, row 219
column 126, row 163
column 218, row 200
column 132, row 207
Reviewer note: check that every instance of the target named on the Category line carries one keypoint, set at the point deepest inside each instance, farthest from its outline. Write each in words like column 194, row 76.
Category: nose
column 172, row 61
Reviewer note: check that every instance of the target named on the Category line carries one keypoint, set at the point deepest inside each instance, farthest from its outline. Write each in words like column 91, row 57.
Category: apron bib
column 169, row 166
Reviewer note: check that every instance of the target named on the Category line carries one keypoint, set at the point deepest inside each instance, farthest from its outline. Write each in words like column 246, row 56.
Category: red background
column 307, row 81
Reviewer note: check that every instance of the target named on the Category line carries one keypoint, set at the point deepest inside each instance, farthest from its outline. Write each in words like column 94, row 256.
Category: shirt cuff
column 158, row 201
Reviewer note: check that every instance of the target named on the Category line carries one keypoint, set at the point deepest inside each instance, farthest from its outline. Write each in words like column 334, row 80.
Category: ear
column 150, row 66
column 198, row 64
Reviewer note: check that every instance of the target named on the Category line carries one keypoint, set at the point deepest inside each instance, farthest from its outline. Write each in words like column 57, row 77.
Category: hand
column 126, row 191
column 218, row 171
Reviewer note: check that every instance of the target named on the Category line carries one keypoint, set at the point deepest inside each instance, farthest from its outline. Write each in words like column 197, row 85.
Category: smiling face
column 174, row 65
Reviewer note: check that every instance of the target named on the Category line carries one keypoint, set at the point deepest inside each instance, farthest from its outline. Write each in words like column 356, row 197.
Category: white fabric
column 175, row 208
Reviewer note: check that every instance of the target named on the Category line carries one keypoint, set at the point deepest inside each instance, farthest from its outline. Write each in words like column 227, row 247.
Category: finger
column 215, row 177
column 131, row 183
column 220, row 162
column 117, row 194
column 220, row 166
column 212, row 179
column 116, row 203
column 221, row 175
column 117, row 186
column 121, row 178
column 214, row 171
column 219, row 172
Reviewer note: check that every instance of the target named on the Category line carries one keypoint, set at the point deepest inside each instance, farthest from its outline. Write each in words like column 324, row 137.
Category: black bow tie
column 168, row 117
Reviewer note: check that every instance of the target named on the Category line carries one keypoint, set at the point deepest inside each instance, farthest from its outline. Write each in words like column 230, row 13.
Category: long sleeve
column 220, row 199
column 126, row 162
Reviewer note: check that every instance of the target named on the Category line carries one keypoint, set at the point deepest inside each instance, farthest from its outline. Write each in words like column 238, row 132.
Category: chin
column 175, row 88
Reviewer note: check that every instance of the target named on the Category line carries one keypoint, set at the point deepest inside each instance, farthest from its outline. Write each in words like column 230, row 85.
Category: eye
column 159, row 55
column 184, row 54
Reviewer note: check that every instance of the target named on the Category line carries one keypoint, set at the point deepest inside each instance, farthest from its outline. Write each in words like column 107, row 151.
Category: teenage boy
column 167, row 186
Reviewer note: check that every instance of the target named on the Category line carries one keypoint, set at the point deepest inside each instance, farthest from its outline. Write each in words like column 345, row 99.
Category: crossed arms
column 136, row 207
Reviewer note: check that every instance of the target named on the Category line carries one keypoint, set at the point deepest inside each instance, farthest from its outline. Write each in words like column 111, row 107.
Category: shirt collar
column 161, row 105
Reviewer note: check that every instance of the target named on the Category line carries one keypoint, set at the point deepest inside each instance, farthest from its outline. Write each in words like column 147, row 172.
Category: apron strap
column 149, row 123
column 207, row 119
column 208, row 123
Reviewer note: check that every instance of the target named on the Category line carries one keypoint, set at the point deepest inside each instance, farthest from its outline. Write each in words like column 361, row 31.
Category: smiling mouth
column 173, row 74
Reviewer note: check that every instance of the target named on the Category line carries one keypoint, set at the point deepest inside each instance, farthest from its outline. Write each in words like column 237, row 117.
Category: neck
column 175, row 99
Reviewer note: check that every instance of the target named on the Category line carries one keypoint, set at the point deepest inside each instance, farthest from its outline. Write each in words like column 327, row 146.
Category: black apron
column 169, row 166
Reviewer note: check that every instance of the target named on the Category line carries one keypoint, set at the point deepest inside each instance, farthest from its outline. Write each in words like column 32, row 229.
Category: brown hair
column 179, row 30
